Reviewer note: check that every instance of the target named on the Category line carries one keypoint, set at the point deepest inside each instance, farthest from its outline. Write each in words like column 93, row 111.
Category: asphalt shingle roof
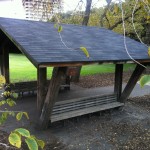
column 42, row 44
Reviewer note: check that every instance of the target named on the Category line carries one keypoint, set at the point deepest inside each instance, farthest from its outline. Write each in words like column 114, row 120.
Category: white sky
column 71, row 4
column 14, row 8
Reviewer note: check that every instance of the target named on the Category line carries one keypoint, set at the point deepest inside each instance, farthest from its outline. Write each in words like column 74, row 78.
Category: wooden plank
column 118, row 80
column 80, row 106
column 74, row 100
column 5, row 61
column 132, row 82
column 53, row 89
column 76, row 107
column 41, row 87
column 84, row 111
column 72, row 64
column 77, row 64
column 84, row 103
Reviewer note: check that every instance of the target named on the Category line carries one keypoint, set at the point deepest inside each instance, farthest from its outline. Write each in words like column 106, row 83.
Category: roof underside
column 42, row 44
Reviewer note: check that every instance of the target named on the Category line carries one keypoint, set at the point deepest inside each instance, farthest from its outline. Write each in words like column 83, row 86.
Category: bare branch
column 5, row 145
column 9, row 111
column 120, row 21
column 104, row 14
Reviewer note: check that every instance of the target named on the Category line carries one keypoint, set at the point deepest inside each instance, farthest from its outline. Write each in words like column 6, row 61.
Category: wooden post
column 132, row 82
column 41, row 88
column 5, row 62
column 118, row 80
column 52, row 93
column 67, row 83
column 1, row 64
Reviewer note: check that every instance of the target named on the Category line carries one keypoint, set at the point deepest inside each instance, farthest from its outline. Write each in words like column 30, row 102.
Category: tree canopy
column 136, row 17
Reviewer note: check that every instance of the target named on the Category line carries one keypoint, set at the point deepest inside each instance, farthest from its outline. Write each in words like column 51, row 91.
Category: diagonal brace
column 59, row 74
column 131, row 83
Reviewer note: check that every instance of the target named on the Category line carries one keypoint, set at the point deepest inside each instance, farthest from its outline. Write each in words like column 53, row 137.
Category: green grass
column 104, row 68
column 22, row 70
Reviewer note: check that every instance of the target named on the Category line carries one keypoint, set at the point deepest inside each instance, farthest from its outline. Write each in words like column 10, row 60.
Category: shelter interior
column 15, row 35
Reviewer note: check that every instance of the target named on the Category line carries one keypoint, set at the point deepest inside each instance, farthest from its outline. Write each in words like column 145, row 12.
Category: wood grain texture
column 51, row 96
column 85, row 105
column 41, row 88
column 118, row 80
column 83, row 111
column 5, row 61
column 132, row 82
column 1, row 64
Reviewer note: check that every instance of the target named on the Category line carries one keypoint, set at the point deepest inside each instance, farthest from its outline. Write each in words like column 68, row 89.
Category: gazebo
column 44, row 47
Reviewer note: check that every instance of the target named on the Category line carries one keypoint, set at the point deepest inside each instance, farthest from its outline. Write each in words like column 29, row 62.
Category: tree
column 87, row 12
column 106, row 9
column 136, row 17
column 84, row 22
column 111, row 17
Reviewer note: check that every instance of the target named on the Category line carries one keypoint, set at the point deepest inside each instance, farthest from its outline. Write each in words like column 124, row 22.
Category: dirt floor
column 100, row 80
column 126, row 128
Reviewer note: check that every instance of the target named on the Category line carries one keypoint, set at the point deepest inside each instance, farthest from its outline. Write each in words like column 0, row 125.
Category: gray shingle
column 41, row 43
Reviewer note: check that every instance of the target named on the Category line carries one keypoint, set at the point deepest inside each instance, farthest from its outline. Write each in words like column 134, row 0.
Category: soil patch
column 143, row 101
column 100, row 80
column 53, row 144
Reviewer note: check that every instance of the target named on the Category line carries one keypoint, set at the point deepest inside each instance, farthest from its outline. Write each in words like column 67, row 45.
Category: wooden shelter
column 44, row 47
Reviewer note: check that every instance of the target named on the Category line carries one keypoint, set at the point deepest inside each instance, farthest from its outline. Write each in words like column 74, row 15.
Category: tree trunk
column 104, row 14
column 147, row 34
column 87, row 12
column 84, row 22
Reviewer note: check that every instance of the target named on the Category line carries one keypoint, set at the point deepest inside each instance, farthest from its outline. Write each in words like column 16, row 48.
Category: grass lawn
column 22, row 70
column 104, row 68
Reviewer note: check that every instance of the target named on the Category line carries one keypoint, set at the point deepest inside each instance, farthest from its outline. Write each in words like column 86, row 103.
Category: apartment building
column 40, row 9
column 30, row 9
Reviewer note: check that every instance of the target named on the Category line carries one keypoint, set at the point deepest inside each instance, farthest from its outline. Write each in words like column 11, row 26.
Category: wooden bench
column 31, row 87
column 81, row 106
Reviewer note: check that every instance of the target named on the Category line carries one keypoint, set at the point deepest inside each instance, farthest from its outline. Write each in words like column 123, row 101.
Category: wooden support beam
column 132, row 82
column 67, row 83
column 1, row 64
column 118, row 80
column 5, row 61
column 52, row 93
column 41, row 88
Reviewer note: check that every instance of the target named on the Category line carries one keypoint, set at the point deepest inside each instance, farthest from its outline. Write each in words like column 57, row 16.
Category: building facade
column 42, row 10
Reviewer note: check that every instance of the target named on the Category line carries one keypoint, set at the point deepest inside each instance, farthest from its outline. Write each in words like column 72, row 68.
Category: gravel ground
column 100, row 80
column 126, row 128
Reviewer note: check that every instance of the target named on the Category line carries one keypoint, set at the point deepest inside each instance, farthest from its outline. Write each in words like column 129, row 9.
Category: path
column 86, row 133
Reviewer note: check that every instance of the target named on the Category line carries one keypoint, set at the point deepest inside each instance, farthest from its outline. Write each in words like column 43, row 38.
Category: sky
column 71, row 4
column 14, row 8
